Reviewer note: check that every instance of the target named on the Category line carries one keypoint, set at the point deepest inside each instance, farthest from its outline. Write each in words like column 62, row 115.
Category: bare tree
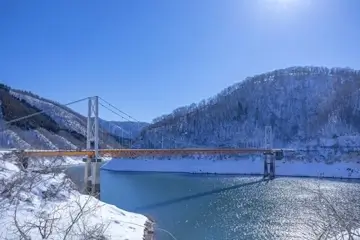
column 61, row 212
column 334, row 216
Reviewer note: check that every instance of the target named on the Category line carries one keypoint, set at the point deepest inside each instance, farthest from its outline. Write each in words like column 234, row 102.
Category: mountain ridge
column 306, row 106
column 53, row 126
column 302, row 104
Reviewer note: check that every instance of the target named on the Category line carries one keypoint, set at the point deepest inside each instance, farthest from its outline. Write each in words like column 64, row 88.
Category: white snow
column 42, row 138
column 251, row 166
column 64, row 118
column 302, row 104
column 9, row 138
column 70, row 123
column 53, row 197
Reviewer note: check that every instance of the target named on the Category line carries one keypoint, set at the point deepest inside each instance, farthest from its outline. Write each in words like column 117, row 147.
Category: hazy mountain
column 126, row 129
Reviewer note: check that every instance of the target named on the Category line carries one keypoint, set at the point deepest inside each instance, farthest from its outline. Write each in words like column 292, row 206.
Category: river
column 222, row 207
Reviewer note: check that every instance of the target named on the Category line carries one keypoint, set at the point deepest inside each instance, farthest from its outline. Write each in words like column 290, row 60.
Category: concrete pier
column 269, row 165
column 92, row 176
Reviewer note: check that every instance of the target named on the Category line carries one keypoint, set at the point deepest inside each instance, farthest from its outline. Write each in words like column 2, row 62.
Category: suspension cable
column 122, row 112
column 114, row 112
column 43, row 111
column 169, row 138
column 119, row 110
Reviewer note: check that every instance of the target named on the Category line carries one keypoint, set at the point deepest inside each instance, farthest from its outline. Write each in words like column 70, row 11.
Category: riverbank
column 199, row 206
column 242, row 166
column 35, row 204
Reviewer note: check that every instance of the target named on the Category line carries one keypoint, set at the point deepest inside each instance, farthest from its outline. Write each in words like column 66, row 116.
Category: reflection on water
column 217, row 207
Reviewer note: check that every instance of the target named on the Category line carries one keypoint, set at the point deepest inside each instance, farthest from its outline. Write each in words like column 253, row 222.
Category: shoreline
column 215, row 173
column 231, row 174
column 121, row 224
column 227, row 168
column 148, row 232
column 246, row 167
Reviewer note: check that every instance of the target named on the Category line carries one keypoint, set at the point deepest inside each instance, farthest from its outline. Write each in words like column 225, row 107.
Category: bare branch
column 333, row 217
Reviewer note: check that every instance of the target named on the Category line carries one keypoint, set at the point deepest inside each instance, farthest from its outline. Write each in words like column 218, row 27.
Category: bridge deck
column 147, row 152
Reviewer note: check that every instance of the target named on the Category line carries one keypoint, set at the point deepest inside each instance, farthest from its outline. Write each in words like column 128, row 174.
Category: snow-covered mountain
column 58, row 127
column 133, row 129
column 125, row 129
column 125, row 132
column 306, row 106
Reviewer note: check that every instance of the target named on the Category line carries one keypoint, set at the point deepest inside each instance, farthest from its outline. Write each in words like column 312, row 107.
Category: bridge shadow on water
column 198, row 195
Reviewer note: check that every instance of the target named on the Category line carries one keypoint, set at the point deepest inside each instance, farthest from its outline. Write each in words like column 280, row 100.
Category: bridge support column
column 272, row 167
column 87, row 175
column 92, row 166
column 266, row 170
column 95, row 177
column 269, row 159
column 269, row 165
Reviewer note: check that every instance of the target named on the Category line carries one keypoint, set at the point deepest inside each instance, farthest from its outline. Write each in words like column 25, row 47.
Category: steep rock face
column 304, row 105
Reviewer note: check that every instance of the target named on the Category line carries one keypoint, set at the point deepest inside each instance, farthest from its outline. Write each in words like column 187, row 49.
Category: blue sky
column 151, row 56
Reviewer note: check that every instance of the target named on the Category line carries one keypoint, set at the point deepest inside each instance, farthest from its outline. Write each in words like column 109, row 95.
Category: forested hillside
column 58, row 127
column 304, row 105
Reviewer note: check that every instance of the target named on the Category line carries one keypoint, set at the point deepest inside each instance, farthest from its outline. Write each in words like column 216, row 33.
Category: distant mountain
column 131, row 129
column 125, row 131
column 58, row 127
column 306, row 106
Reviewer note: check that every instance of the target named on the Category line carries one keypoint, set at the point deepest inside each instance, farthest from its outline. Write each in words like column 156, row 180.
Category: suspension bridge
column 100, row 143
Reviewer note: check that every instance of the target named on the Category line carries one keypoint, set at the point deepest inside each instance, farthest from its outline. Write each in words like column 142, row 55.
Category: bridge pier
column 95, row 177
column 269, row 165
column 87, row 175
column 269, row 160
column 92, row 176
column 92, row 162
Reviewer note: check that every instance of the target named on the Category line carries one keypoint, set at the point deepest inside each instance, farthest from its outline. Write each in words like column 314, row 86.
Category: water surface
column 218, row 207
column 195, row 207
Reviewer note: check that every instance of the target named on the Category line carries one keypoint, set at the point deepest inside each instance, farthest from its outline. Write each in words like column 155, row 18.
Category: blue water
column 195, row 207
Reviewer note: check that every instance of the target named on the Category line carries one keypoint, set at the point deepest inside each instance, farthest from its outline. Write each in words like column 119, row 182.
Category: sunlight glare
column 281, row 4
column 284, row 8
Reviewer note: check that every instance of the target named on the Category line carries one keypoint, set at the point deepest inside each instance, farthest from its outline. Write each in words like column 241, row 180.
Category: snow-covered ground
column 34, row 204
column 251, row 165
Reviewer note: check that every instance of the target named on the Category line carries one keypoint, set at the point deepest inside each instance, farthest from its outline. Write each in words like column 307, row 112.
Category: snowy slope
column 64, row 117
column 306, row 107
column 132, row 129
column 123, row 130
column 29, row 199
column 58, row 127
column 249, row 165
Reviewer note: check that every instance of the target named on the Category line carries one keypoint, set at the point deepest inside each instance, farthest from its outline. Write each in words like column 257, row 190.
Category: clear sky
column 148, row 57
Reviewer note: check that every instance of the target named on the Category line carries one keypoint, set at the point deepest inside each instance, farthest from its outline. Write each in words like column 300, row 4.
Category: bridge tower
column 269, row 159
column 92, row 163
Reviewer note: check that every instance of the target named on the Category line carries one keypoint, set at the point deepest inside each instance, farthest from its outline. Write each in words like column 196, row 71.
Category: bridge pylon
column 92, row 162
column 269, row 159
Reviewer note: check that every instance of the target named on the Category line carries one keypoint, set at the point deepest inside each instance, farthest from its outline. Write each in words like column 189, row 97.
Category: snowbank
column 48, row 204
column 251, row 166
